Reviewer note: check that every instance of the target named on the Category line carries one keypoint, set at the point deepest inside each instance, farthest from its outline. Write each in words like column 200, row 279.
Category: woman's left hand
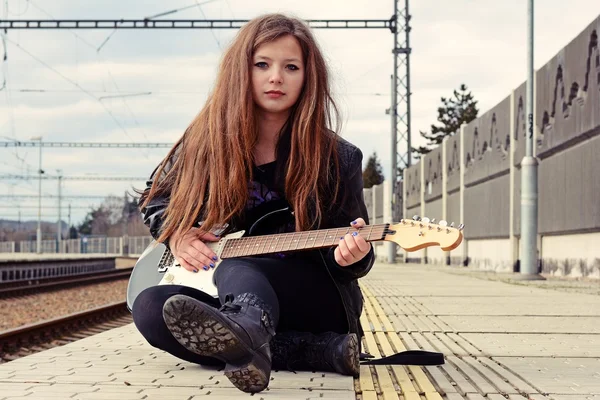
column 352, row 247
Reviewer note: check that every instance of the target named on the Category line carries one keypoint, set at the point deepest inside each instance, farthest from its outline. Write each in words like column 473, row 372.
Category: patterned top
column 265, row 197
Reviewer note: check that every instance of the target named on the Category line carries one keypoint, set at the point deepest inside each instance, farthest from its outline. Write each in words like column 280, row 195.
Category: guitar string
column 244, row 244
column 239, row 245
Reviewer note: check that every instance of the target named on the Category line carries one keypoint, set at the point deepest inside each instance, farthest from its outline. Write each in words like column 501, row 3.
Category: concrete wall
column 490, row 254
column 573, row 255
column 474, row 177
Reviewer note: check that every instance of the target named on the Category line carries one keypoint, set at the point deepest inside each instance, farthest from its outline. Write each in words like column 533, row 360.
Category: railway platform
column 501, row 340
column 8, row 257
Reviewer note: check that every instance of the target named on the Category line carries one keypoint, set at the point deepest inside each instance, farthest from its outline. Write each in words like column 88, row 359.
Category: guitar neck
column 284, row 242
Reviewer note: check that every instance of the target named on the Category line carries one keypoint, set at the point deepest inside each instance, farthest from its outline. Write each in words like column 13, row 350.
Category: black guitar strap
column 408, row 357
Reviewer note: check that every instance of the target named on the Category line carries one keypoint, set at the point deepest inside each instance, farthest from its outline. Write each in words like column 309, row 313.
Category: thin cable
column 21, row 13
column 106, row 40
column 204, row 16
column 177, row 10
column 74, row 84
column 70, row 30
column 103, row 60
column 146, row 152
column 8, row 93
column 230, row 10
column 159, row 92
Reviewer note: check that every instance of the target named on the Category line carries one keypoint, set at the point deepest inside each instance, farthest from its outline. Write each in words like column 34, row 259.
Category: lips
column 274, row 94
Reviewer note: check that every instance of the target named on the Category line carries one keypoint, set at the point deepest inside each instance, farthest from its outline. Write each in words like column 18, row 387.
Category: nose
column 276, row 76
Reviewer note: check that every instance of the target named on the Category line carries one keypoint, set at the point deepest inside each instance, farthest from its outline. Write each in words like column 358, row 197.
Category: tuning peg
column 433, row 220
column 452, row 225
column 443, row 223
column 416, row 218
column 461, row 227
column 425, row 220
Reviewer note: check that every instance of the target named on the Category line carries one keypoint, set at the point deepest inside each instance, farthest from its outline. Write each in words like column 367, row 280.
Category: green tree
column 73, row 232
column 111, row 216
column 373, row 172
column 85, row 227
column 462, row 108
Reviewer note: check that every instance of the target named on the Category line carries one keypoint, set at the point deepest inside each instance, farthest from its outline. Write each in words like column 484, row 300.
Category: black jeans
column 300, row 293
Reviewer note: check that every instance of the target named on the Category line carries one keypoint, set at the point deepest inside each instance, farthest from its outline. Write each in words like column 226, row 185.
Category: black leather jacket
column 351, row 207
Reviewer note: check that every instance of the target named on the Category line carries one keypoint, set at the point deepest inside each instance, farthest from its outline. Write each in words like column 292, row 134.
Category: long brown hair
column 213, row 165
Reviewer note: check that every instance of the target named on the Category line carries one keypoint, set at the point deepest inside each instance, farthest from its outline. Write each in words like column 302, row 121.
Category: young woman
column 263, row 140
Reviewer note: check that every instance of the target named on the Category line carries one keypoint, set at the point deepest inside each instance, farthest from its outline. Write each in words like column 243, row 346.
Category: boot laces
column 229, row 307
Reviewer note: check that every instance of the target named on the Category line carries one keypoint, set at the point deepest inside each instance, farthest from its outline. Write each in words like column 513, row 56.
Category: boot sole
column 203, row 330
column 251, row 377
column 352, row 362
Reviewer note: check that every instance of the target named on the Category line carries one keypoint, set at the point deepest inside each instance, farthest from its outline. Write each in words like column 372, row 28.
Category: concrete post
column 444, row 178
column 465, row 251
column 423, row 211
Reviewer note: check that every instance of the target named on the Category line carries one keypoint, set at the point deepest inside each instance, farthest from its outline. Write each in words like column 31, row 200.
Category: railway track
column 29, row 339
column 15, row 289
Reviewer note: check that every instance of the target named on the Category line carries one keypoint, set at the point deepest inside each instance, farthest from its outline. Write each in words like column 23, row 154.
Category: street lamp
column 529, row 175
column 39, row 226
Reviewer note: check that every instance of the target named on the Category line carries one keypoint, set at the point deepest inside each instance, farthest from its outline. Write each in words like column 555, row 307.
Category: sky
column 146, row 86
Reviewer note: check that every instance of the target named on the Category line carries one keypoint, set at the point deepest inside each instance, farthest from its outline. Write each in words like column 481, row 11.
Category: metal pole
column 59, row 224
column 125, row 236
column 39, row 224
column 529, row 186
column 391, row 247
column 408, row 94
column 394, row 115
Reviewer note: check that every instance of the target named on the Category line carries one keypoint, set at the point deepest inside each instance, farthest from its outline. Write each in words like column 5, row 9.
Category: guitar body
column 157, row 266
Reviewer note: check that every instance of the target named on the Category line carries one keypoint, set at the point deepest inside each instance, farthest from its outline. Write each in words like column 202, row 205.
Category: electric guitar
column 157, row 265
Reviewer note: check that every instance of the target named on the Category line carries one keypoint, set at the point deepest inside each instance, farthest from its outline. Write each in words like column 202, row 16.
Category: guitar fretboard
column 284, row 242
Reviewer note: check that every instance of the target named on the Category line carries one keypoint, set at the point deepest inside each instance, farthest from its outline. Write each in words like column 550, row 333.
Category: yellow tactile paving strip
column 388, row 382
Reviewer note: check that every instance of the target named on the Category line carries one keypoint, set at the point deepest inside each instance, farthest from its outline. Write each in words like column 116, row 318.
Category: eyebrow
column 286, row 60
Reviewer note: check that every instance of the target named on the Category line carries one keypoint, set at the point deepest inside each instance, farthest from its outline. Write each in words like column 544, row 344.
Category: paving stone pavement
column 501, row 338
column 501, row 341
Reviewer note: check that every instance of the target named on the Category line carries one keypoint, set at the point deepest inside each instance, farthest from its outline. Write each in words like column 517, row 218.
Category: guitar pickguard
column 175, row 274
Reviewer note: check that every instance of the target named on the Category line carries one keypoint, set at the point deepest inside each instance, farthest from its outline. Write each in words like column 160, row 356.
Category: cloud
column 477, row 43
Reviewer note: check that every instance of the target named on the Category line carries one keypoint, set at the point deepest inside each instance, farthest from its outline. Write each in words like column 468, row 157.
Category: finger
column 196, row 246
column 209, row 237
column 344, row 252
column 352, row 247
column 190, row 260
column 185, row 264
column 362, row 244
column 201, row 251
column 200, row 261
column 207, row 254
column 358, row 223
column 337, row 255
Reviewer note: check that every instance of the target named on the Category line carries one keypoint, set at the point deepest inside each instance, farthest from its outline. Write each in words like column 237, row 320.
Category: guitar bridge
column 165, row 261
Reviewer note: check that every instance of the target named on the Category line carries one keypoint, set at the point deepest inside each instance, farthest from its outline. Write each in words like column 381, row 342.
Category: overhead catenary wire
column 74, row 178
column 329, row 24
column 79, row 37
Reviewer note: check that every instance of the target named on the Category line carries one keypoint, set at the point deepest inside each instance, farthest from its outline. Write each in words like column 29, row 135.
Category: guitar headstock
column 418, row 233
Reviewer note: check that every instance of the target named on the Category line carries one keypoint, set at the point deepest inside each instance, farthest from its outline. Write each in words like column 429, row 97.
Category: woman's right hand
column 191, row 251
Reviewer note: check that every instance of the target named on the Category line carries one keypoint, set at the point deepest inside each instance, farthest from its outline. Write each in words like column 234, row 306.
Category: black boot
column 238, row 333
column 331, row 352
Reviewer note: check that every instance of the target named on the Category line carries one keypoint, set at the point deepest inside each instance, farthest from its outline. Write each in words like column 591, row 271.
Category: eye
column 261, row 64
column 293, row 67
